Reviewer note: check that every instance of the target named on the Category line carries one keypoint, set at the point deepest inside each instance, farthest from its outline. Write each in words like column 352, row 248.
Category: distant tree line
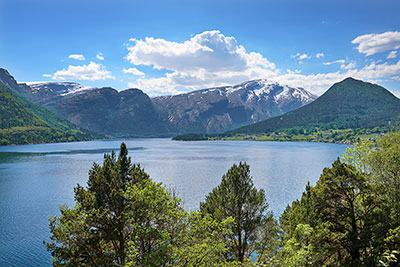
column 351, row 217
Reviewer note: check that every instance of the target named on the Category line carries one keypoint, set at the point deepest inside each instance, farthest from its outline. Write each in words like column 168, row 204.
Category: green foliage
column 298, row 250
column 335, row 218
column 353, row 211
column 391, row 256
column 237, row 197
column 201, row 241
column 357, row 154
column 345, row 200
column 191, row 137
column 22, row 122
column 384, row 165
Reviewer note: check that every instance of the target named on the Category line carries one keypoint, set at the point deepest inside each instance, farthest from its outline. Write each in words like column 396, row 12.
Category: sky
column 169, row 47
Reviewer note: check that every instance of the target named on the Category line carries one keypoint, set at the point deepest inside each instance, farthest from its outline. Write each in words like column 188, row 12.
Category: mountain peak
column 347, row 104
column 352, row 89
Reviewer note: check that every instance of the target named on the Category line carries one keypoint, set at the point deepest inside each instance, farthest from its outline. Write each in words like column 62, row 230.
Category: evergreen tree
column 237, row 197
column 344, row 201
column 122, row 216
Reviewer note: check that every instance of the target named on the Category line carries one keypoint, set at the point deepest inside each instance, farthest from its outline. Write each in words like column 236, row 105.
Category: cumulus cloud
column 133, row 71
column 392, row 54
column 77, row 57
column 211, row 59
column 373, row 43
column 207, row 59
column 46, row 75
column 99, row 56
column 91, row 72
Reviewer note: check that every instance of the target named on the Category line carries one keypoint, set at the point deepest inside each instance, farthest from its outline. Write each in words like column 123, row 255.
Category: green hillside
column 22, row 122
column 349, row 104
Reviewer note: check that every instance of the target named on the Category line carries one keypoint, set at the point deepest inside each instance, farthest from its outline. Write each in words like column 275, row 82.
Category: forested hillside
column 22, row 122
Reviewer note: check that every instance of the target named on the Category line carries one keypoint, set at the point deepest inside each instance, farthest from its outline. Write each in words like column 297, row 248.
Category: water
column 36, row 179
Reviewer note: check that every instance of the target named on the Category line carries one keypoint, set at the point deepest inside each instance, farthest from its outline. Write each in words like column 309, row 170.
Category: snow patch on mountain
column 58, row 88
column 264, row 89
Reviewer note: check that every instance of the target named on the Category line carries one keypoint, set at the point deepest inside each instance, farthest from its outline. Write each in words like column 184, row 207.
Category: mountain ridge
column 216, row 109
column 350, row 103
column 207, row 110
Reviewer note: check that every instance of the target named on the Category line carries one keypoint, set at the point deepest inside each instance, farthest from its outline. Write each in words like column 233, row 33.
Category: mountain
column 223, row 108
column 101, row 110
column 107, row 111
column 42, row 92
column 21, row 89
column 45, row 92
column 132, row 113
column 23, row 122
column 349, row 104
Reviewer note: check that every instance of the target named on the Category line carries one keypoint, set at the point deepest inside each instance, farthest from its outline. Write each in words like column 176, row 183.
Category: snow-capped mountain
column 45, row 92
column 224, row 108
column 59, row 88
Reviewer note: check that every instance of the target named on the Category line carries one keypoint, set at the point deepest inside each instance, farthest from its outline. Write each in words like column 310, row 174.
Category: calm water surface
column 36, row 179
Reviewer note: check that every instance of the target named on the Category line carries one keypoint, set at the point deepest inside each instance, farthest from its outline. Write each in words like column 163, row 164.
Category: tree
column 237, row 197
column 201, row 241
column 299, row 250
column 345, row 203
column 356, row 155
column 384, row 166
column 155, row 219
column 122, row 216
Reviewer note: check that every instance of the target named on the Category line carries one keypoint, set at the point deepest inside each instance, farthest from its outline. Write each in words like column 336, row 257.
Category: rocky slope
column 107, row 111
column 219, row 109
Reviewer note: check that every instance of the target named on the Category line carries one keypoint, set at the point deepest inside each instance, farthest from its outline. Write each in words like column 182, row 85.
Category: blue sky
column 168, row 47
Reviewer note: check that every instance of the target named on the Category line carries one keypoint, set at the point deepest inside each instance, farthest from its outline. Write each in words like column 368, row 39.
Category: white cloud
column 392, row 54
column 320, row 82
column 370, row 44
column 349, row 66
column 300, row 56
column 91, row 71
column 133, row 71
column 99, row 56
column 340, row 61
column 295, row 71
column 77, row 57
column 319, row 55
column 46, row 75
column 211, row 59
column 205, row 60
